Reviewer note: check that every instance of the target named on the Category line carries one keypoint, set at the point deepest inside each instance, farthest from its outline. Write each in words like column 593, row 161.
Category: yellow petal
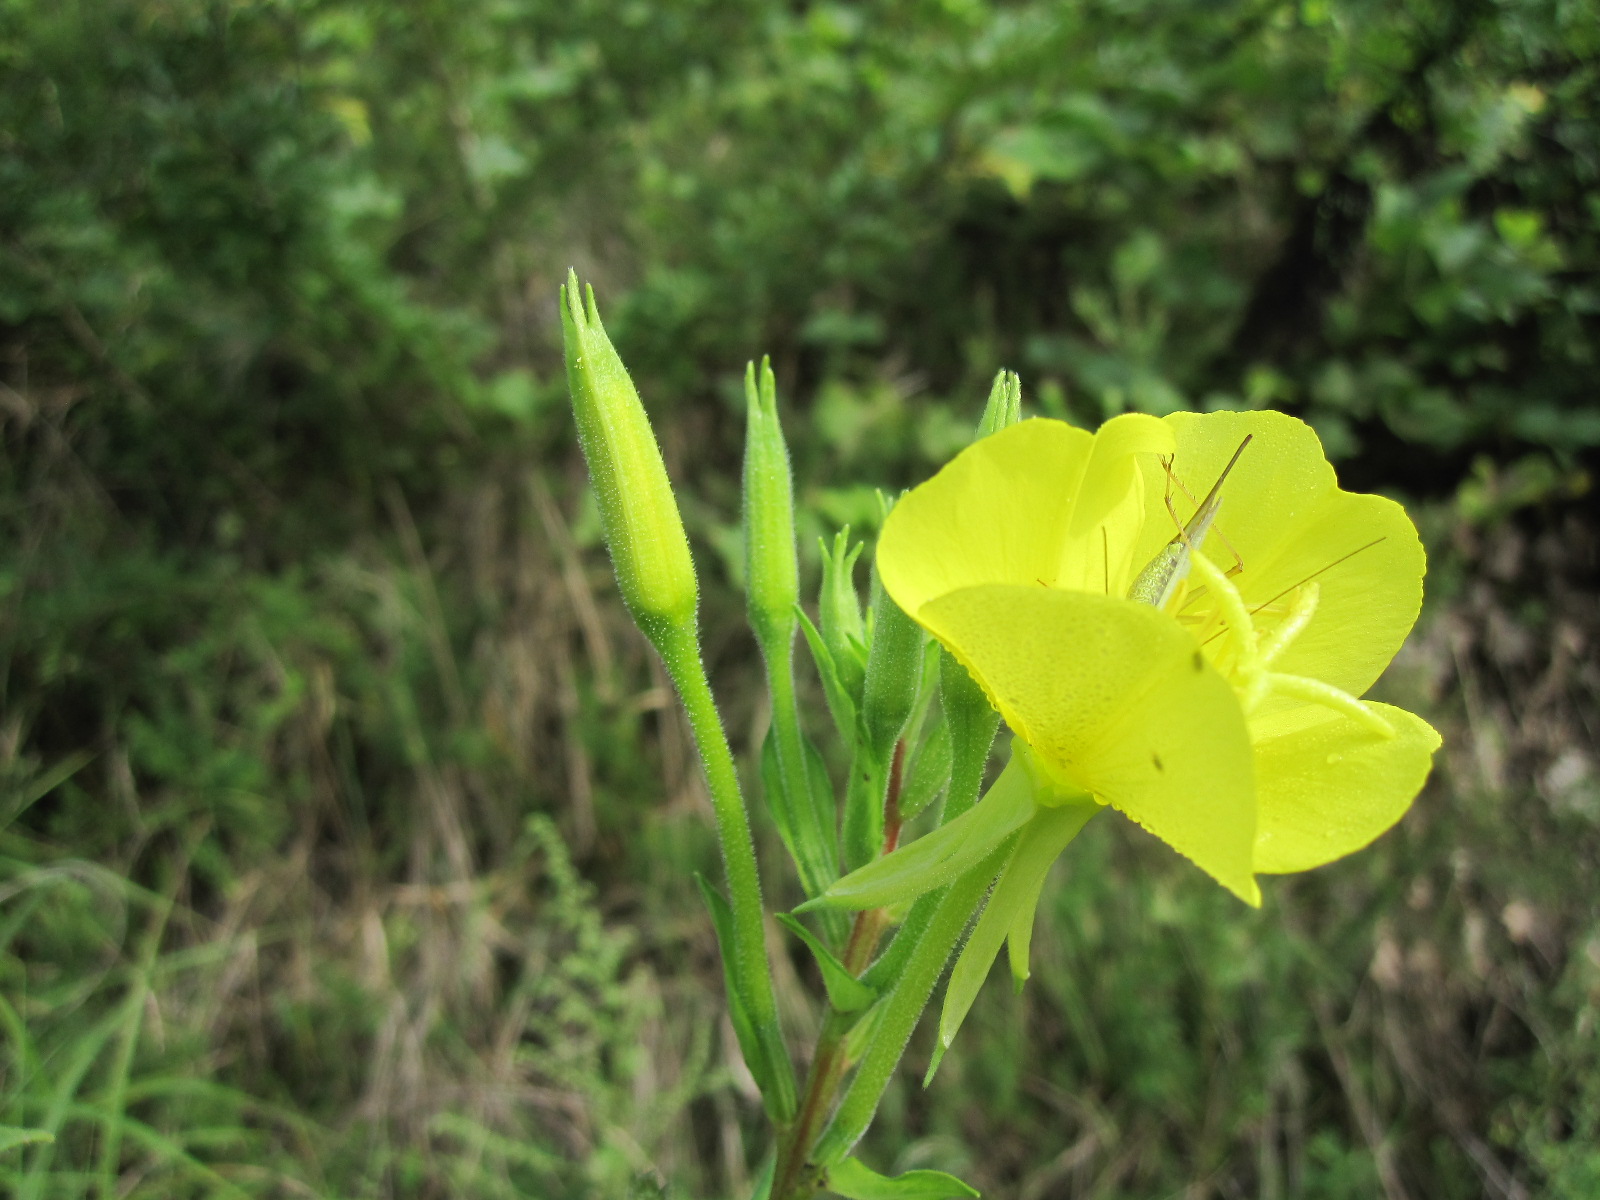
column 1114, row 698
column 1328, row 785
column 1019, row 507
column 1284, row 515
column 1367, row 602
column 1109, row 510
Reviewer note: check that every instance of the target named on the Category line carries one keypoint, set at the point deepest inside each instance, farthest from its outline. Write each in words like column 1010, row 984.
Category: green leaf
column 845, row 992
column 855, row 1181
column 863, row 1032
column 930, row 772
column 841, row 704
column 12, row 1136
column 744, row 1029
column 778, row 799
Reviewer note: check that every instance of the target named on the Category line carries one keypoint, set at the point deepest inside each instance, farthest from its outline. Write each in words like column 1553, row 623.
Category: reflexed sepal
column 939, row 856
column 1011, row 908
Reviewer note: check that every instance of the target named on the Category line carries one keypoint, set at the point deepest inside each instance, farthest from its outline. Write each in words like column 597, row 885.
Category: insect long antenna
column 1163, row 575
column 1208, row 506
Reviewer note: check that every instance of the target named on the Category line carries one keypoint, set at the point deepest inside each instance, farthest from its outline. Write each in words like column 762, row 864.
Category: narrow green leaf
column 743, row 1028
column 930, row 772
column 845, row 992
column 777, row 797
column 38, row 788
column 12, row 1136
column 841, row 704
column 855, row 1181
column 822, row 802
column 863, row 1032
column 764, row 1179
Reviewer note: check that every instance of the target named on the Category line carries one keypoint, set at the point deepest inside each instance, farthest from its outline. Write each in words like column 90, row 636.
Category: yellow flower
column 1226, row 722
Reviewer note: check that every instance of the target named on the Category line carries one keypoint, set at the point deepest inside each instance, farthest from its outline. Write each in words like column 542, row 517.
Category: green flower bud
column 772, row 570
column 649, row 550
column 1005, row 404
column 844, row 631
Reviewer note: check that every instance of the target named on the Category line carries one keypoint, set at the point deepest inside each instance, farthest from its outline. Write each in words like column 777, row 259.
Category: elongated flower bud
column 638, row 514
column 772, row 572
column 1004, row 408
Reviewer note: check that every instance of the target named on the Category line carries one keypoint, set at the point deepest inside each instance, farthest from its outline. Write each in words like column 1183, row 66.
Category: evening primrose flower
column 1220, row 713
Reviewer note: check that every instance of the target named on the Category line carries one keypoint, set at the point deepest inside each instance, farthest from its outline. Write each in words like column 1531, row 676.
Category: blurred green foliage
column 300, row 616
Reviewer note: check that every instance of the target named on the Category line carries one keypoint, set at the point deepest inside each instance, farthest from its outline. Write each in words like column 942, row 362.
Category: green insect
column 1161, row 577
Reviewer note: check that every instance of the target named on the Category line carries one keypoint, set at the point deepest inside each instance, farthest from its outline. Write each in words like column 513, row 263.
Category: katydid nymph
column 1161, row 577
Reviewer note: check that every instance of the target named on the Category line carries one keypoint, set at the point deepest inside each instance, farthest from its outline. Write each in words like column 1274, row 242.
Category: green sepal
column 846, row 993
column 750, row 1044
column 1011, row 906
column 939, row 856
column 854, row 1180
column 841, row 700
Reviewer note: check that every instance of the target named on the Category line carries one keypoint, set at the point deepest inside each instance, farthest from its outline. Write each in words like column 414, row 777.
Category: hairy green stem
column 680, row 651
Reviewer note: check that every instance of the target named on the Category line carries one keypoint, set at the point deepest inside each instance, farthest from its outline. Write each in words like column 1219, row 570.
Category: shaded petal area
column 1329, row 785
column 1114, row 699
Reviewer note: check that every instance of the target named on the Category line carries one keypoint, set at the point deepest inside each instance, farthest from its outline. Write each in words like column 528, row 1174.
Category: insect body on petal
column 1161, row 577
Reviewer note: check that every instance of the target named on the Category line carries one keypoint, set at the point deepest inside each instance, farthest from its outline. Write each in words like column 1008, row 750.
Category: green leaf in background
column 11, row 1137
column 855, row 1181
